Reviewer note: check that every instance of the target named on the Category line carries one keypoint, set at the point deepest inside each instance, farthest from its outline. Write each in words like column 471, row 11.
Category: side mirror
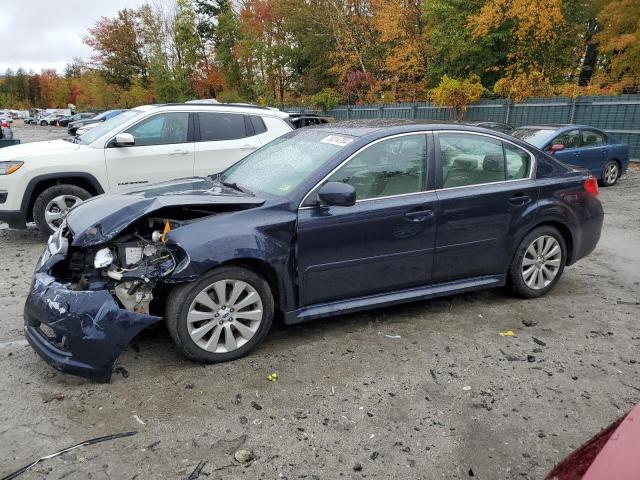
column 556, row 147
column 337, row 193
column 124, row 140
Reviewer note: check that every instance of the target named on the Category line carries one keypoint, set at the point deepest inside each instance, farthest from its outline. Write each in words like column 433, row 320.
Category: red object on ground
column 613, row 454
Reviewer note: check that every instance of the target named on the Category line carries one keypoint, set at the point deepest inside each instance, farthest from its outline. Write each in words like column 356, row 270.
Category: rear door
column 595, row 151
column 382, row 243
column 163, row 151
column 222, row 139
column 485, row 192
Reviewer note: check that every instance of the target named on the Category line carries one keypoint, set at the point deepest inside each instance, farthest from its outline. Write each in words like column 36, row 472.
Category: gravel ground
column 428, row 390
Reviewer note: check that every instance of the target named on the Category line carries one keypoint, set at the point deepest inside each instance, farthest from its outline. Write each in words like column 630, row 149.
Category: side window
column 591, row 138
column 518, row 162
column 569, row 139
column 470, row 159
column 221, row 126
column 161, row 129
column 390, row 167
column 258, row 124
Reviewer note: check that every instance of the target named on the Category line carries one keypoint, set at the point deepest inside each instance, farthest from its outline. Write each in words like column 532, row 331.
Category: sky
column 39, row 34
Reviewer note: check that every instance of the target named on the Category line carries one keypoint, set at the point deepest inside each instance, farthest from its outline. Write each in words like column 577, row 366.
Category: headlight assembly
column 103, row 258
column 7, row 168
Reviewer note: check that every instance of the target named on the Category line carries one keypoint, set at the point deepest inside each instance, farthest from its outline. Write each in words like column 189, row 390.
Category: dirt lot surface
column 428, row 390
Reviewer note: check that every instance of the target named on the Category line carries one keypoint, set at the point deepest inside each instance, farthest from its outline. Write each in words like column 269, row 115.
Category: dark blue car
column 581, row 145
column 322, row 221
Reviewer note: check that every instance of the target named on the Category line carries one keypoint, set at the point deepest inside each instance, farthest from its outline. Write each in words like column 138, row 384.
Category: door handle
column 179, row 152
column 519, row 199
column 418, row 215
column 245, row 147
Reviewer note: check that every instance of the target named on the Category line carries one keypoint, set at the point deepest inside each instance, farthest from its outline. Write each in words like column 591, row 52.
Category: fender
column 552, row 210
column 270, row 246
column 31, row 186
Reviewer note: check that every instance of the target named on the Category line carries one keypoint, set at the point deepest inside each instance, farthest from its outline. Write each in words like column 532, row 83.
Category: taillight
column 591, row 186
column 4, row 124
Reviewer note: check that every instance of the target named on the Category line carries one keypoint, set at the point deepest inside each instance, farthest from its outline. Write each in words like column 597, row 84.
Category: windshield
column 535, row 136
column 108, row 125
column 286, row 162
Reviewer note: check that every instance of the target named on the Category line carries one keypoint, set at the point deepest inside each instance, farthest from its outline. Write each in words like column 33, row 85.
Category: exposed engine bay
column 129, row 266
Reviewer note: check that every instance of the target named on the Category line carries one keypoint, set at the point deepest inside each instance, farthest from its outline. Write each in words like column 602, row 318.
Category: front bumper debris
column 79, row 332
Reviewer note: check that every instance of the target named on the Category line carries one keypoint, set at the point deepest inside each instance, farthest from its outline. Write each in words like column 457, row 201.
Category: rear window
column 221, row 126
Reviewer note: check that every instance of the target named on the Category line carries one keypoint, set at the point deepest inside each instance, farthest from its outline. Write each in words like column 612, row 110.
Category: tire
column 43, row 123
column 526, row 283
column 610, row 174
column 43, row 203
column 182, row 302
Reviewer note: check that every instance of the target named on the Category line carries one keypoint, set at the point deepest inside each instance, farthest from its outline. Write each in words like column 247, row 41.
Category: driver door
column 382, row 243
column 163, row 150
column 570, row 154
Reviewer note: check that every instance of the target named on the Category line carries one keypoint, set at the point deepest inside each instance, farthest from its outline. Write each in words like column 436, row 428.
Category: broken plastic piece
column 507, row 333
column 167, row 229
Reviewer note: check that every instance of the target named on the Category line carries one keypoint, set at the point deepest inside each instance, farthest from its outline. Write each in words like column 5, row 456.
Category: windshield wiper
column 220, row 179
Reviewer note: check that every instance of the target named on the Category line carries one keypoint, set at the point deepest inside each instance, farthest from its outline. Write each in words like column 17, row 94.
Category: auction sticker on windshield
column 338, row 140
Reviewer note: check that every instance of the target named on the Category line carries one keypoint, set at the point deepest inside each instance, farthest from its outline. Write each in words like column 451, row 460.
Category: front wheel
column 610, row 174
column 52, row 205
column 538, row 262
column 222, row 316
column 43, row 123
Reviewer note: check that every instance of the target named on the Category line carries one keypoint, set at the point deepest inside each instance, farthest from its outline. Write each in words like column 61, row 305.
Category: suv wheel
column 52, row 205
column 43, row 123
column 222, row 316
column 538, row 262
column 610, row 174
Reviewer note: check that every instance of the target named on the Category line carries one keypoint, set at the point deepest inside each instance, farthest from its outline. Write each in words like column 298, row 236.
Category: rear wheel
column 610, row 174
column 222, row 316
column 538, row 263
column 52, row 205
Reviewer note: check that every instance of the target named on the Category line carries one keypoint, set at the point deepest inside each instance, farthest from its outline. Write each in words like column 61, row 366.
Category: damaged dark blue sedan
column 319, row 222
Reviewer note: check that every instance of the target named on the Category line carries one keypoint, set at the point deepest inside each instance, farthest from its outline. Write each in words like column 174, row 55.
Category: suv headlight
column 7, row 168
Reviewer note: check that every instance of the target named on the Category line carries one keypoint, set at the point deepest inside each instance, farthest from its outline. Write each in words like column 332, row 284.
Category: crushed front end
column 87, row 303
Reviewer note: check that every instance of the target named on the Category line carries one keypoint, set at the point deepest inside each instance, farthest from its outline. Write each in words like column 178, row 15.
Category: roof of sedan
column 556, row 126
column 359, row 128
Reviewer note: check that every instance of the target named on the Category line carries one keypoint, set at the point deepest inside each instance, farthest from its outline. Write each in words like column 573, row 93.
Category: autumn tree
column 118, row 48
column 538, row 32
column 402, row 33
column 457, row 94
column 619, row 41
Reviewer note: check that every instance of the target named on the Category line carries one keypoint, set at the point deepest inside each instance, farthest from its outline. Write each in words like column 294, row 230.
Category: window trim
column 532, row 167
column 190, row 130
column 425, row 133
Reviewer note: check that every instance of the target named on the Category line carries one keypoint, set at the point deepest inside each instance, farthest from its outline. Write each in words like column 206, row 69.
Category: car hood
column 101, row 218
column 25, row 150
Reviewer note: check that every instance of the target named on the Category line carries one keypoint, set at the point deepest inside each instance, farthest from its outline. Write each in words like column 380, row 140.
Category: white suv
column 152, row 143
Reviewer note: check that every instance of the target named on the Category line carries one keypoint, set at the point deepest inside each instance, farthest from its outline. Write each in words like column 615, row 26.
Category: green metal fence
column 617, row 115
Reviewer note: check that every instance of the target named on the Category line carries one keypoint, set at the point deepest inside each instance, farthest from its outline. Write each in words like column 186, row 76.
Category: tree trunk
column 590, row 57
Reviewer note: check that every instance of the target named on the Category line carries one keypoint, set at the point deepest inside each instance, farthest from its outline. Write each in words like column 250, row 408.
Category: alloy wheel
column 57, row 209
column 224, row 316
column 611, row 173
column 541, row 262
